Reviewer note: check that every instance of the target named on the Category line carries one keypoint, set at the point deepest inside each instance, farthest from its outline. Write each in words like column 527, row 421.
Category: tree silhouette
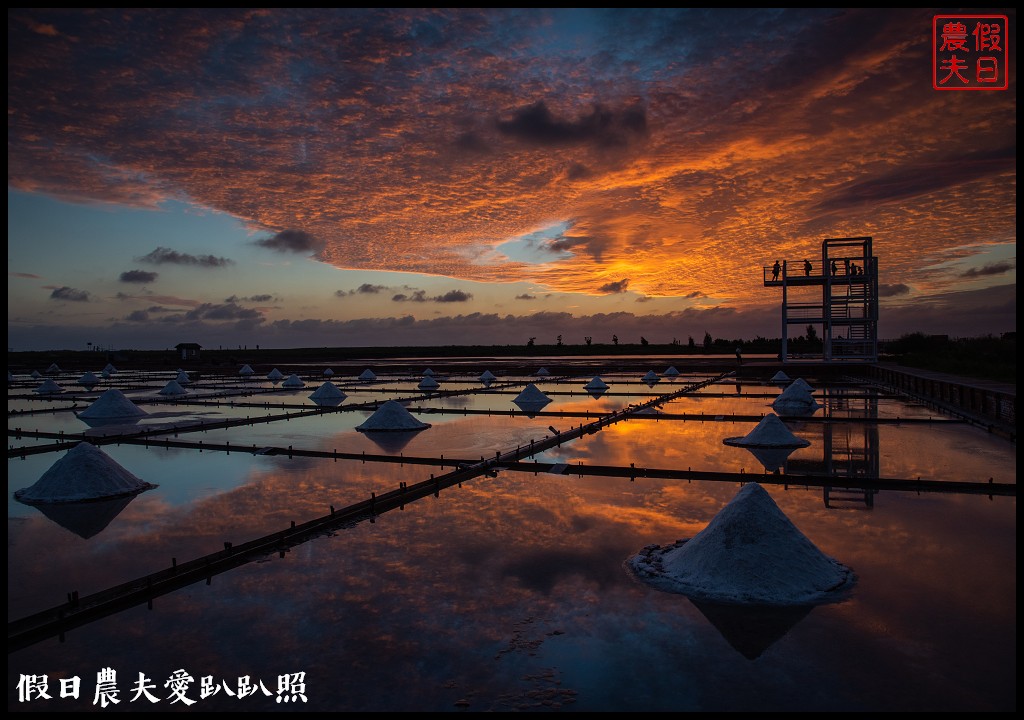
column 530, row 342
column 708, row 342
column 615, row 339
column 588, row 339
column 643, row 340
column 559, row 340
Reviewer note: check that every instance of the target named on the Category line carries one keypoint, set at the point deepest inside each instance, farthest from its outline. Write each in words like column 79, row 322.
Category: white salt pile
column 328, row 373
column 54, row 369
column 183, row 378
column 246, row 371
column 428, row 372
column 173, row 388
column 84, row 473
column 88, row 380
column 650, row 377
column 391, row 416
column 531, row 394
column 487, row 377
column 367, row 374
column 36, row 375
column 795, row 400
column 531, row 400
column 428, row 383
column 49, row 387
column 543, row 372
column 111, row 404
column 649, row 410
column 328, row 391
column 672, row 372
column 751, row 554
column 596, row 384
column 780, row 377
column 293, row 381
column 110, row 369
column 800, row 382
column 771, row 432
column 275, row 375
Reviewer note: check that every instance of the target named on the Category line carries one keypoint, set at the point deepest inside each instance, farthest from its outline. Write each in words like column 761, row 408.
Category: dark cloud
column 922, row 178
column 526, row 296
column 453, row 296
column 140, row 316
column 694, row 294
column 366, row 289
column 997, row 268
column 68, row 293
column 535, row 124
column 297, row 241
column 251, row 298
column 615, row 287
column 225, row 311
column 138, row 276
column 166, row 256
column 594, row 246
column 644, row 299
column 885, row 290
column 472, row 142
column 415, row 296
column 421, row 296
column 578, row 171
column 28, row 276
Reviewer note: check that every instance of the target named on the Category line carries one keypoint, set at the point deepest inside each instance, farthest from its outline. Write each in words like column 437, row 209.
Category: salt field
column 467, row 544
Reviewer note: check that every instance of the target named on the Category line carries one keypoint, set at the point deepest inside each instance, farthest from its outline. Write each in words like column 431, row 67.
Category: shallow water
column 510, row 592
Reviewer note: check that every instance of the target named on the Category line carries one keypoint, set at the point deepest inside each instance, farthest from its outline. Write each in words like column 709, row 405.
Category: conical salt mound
column 110, row 369
column 173, row 388
column 795, row 399
column 780, row 377
column 367, row 374
column 246, row 371
column 88, row 380
column 651, row 376
column 49, row 387
column 328, row 391
column 543, row 372
column 488, row 376
column 54, row 369
column 428, row 372
column 800, row 382
column 328, row 373
column 531, row 394
column 112, row 404
column 672, row 372
column 769, row 433
column 183, row 378
column 275, row 374
column 84, row 473
column 428, row 383
column 391, row 416
column 751, row 554
column 36, row 375
column 293, row 381
column 596, row 384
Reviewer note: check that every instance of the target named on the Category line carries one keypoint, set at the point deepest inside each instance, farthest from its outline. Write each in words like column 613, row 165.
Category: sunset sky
column 296, row 178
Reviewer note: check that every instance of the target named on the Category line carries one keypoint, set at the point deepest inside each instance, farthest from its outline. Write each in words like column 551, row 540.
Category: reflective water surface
column 509, row 592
